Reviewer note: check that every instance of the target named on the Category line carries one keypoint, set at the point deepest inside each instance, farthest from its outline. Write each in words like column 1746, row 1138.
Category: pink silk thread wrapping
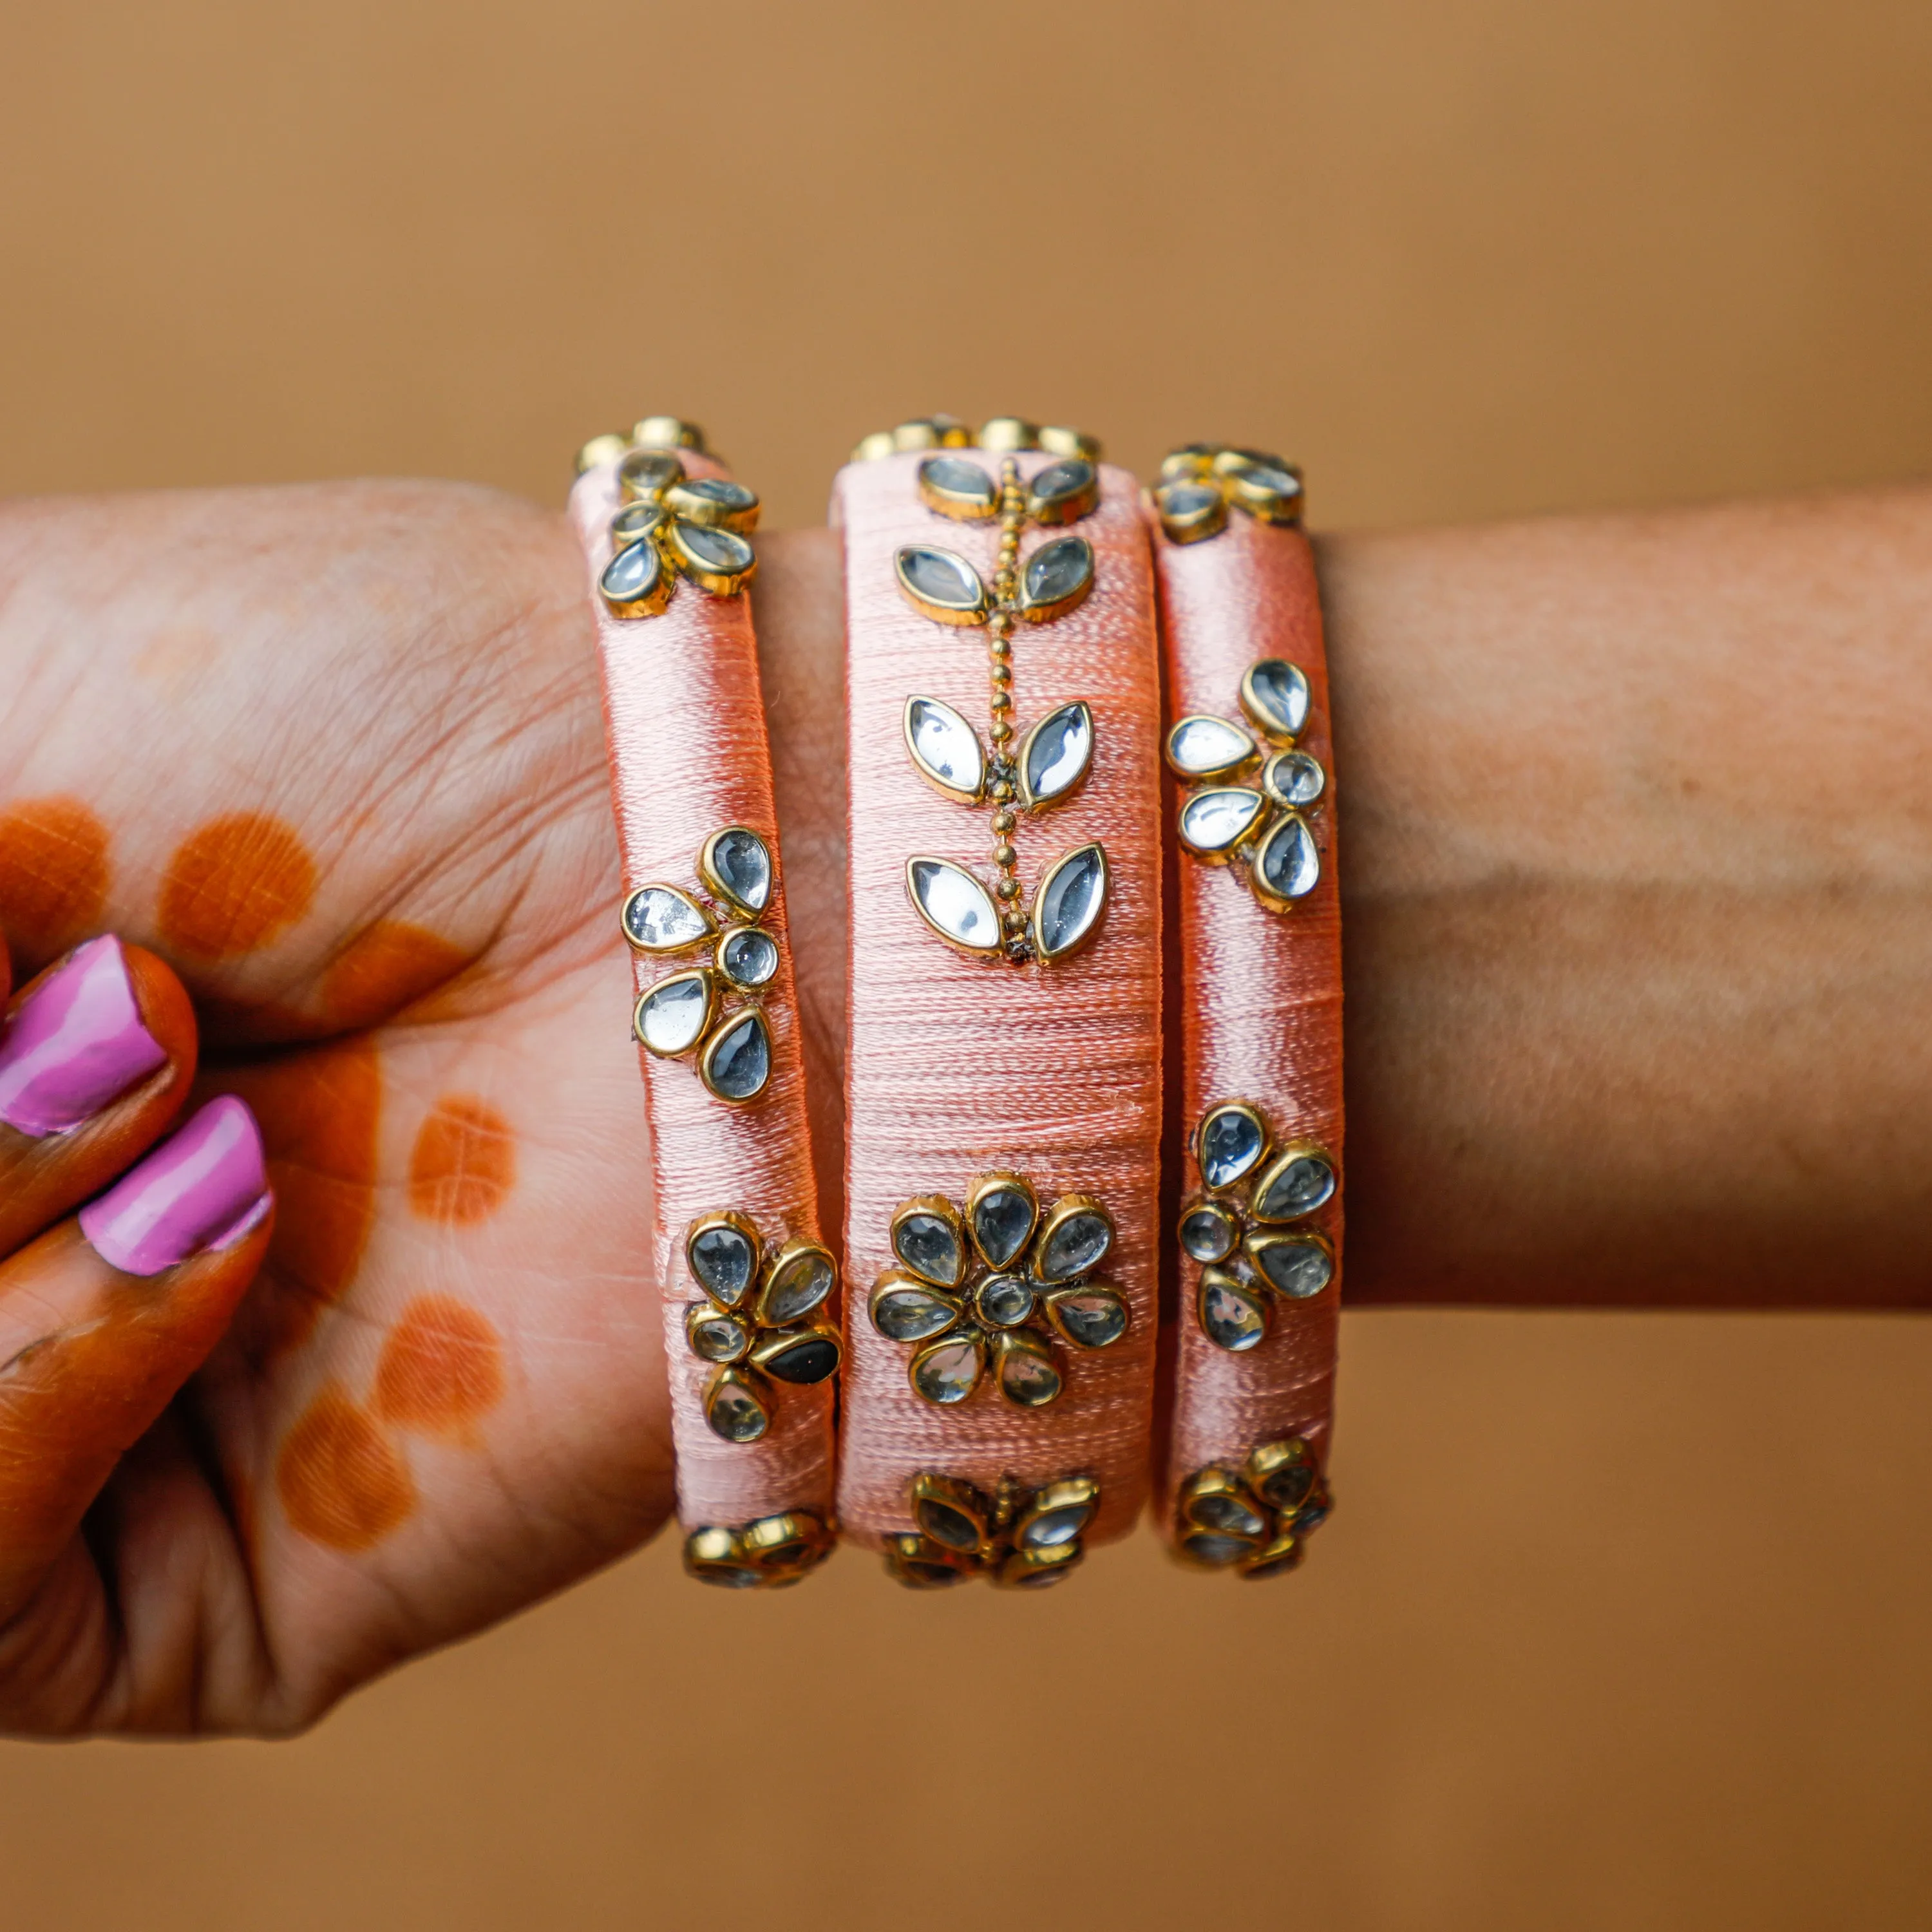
column 960, row 1065
column 685, row 723
column 1260, row 992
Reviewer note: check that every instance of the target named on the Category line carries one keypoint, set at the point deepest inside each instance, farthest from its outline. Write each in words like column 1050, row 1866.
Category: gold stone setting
column 1254, row 1517
column 1245, row 1229
column 988, row 1292
column 714, row 1010
column 1017, row 773
column 762, row 1320
column 769, row 1553
column 671, row 526
column 1017, row 1538
column 1255, row 797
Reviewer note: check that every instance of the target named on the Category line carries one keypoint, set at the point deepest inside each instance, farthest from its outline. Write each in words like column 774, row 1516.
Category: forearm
column 1636, row 852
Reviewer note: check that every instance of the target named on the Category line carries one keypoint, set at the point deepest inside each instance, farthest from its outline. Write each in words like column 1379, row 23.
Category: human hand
column 333, row 753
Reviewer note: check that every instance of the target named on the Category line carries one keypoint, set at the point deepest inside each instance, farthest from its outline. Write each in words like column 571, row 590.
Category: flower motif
column 1261, row 822
column 1240, row 1229
column 1255, row 1520
column 1021, row 1539
column 997, row 1284
column 674, row 525
column 770, row 1554
column 687, row 1012
column 1201, row 482
column 753, row 1321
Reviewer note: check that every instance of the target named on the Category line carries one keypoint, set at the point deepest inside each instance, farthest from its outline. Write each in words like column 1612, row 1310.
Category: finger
column 95, row 1059
column 102, row 1318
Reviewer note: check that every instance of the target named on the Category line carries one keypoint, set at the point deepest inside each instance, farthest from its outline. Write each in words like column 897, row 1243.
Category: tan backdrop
column 1609, row 1633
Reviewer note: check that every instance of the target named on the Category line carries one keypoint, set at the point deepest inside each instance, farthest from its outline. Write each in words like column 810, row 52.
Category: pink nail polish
column 76, row 1044
column 202, row 1189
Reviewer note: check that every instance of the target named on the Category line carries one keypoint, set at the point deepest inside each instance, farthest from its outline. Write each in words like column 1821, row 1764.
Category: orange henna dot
column 442, row 1368
column 340, row 1484
column 234, row 885
column 465, row 1162
column 53, row 873
column 319, row 1110
column 386, row 969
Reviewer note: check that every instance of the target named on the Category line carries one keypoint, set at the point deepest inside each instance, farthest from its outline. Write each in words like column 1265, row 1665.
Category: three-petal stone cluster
column 672, row 525
column 714, row 1009
column 1255, row 1518
column 1242, row 1231
column 1018, row 1538
column 769, row 1554
column 990, row 1290
column 756, row 1323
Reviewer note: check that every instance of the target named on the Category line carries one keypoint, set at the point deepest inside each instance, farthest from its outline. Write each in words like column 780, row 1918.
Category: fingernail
column 76, row 1043
column 201, row 1190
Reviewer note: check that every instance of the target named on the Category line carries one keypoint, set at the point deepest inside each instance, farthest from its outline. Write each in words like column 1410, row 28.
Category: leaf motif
column 1056, row 577
column 945, row 750
column 957, row 488
column 954, row 905
column 1067, row 908
column 941, row 584
column 1055, row 756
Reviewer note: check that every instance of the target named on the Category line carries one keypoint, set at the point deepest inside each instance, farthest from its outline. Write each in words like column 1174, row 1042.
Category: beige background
column 1613, row 1631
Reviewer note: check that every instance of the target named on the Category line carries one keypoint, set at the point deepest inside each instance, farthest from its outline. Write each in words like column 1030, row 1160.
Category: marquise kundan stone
column 1214, row 823
column 1055, row 755
column 954, row 904
column 1063, row 491
column 941, row 583
column 946, row 751
column 1056, row 577
column 1274, row 693
column 957, row 488
column 1069, row 901
column 1224, row 1509
column 951, row 1527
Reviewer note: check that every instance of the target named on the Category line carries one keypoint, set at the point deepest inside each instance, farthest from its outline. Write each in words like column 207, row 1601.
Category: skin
column 1638, row 873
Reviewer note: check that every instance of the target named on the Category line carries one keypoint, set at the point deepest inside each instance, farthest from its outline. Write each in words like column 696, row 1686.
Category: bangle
column 749, row 1288
column 1003, row 1078
column 1260, row 994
